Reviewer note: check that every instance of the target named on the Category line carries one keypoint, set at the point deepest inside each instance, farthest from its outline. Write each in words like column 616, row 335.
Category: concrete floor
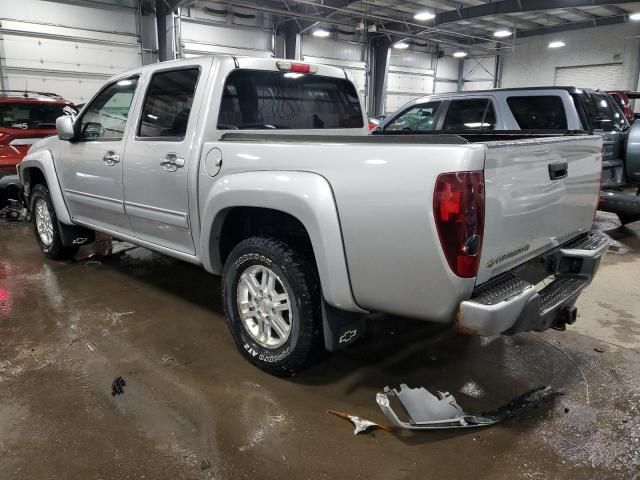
column 68, row 329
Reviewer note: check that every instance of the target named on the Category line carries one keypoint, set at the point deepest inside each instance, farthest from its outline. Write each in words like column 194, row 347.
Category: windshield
column 255, row 99
column 32, row 115
column 603, row 113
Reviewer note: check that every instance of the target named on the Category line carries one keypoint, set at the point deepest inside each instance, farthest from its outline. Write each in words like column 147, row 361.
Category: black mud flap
column 74, row 236
column 341, row 328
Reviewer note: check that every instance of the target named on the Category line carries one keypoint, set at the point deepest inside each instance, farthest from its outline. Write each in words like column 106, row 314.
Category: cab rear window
column 257, row 100
column 538, row 112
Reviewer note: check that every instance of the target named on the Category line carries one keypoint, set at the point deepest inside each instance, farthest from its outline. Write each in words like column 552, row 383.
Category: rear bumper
column 510, row 304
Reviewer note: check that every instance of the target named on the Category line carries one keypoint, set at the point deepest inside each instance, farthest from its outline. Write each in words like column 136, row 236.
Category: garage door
column 605, row 77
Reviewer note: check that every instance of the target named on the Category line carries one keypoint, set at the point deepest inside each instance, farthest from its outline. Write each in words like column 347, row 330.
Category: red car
column 623, row 100
column 25, row 117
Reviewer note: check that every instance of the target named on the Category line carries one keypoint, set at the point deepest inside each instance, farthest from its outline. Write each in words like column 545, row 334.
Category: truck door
column 90, row 166
column 159, row 154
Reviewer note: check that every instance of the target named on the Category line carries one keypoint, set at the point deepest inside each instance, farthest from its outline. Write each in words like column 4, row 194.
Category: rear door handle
column 558, row 170
column 111, row 158
column 171, row 162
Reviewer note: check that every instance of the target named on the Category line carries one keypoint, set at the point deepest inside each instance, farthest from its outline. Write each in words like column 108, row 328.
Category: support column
column 378, row 69
column 461, row 75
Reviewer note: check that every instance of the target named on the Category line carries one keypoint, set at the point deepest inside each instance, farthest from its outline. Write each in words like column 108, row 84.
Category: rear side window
column 470, row 114
column 32, row 115
column 544, row 112
column 255, row 99
column 168, row 103
column 417, row 118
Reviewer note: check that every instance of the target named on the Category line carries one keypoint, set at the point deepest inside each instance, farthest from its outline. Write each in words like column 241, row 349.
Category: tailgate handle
column 558, row 170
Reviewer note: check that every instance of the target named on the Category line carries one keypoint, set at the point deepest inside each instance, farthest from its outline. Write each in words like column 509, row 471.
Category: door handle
column 558, row 170
column 111, row 158
column 171, row 162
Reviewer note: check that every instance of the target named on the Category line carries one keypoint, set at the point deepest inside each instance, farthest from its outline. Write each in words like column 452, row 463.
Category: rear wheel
column 271, row 298
column 46, row 227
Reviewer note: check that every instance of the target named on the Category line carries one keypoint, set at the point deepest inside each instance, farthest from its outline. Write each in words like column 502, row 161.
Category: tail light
column 296, row 67
column 458, row 208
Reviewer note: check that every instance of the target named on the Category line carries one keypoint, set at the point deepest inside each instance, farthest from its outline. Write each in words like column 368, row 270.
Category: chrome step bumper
column 509, row 304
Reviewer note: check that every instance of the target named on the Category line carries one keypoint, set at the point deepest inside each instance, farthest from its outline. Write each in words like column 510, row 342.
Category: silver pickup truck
column 260, row 170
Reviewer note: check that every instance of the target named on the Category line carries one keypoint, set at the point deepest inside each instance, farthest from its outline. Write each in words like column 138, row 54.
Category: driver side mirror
column 64, row 127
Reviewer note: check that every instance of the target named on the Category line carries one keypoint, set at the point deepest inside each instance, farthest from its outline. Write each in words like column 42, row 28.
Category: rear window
column 544, row 112
column 255, row 99
column 603, row 113
column 470, row 114
column 32, row 115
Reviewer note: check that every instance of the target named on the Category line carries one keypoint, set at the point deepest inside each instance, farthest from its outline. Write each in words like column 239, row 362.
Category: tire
column 268, row 349
column 48, row 237
column 625, row 219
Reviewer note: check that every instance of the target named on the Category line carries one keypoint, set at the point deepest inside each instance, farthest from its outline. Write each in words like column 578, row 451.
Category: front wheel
column 46, row 227
column 271, row 297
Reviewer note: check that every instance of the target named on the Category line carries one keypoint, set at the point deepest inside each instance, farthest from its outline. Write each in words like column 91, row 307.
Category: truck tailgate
column 539, row 193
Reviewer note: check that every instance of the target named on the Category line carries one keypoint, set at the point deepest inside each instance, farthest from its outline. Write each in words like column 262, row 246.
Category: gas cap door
column 213, row 162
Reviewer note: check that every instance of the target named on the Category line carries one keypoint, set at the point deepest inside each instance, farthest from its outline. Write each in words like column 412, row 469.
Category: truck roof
column 253, row 63
column 471, row 93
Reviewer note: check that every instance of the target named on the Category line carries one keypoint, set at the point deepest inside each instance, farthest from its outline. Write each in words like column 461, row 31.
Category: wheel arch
column 294, row 198
column 38, row 167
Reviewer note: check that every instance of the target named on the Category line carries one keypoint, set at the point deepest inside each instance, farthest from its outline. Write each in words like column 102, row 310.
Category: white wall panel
column 410, row 75
column 68, row 49
column 534, row 64
column 201, row 39
column 448, row 68
column 446, row 87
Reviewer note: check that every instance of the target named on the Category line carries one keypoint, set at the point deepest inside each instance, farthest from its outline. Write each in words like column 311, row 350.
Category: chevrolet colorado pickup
column 261, row 170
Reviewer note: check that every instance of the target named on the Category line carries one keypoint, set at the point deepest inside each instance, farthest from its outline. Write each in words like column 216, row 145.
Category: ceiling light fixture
column 425, row 15
column 557, row 44
column 635, row 16
column 401, row 45
column 321, row 32
column 502, row 33
column 460, row 54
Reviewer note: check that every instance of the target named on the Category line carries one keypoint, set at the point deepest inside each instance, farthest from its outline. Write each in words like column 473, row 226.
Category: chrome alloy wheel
column 264, row 306
column 44, row 223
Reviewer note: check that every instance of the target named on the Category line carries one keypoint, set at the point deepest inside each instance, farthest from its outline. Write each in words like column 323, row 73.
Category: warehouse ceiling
column 454, row 22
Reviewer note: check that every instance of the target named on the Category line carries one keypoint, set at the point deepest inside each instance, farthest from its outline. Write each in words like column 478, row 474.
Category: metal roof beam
column 595, row 22
column 515, row 6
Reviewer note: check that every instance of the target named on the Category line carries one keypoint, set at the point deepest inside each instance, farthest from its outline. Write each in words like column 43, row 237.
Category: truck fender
column 42, row 160
column 307, row 197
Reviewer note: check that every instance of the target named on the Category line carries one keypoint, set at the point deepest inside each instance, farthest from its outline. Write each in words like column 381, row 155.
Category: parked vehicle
column 538, row 109
column 261, row 170
column 623, row 100
column 25, row 117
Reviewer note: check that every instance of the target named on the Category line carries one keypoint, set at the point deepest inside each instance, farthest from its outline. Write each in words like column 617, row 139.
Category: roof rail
column 29, row 93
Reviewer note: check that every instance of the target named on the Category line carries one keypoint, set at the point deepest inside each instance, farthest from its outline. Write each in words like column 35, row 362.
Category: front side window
column 106, row 117
column 166, row 109
column 417, row 118
column 470, row 114
column 256, row 100
column 603, row 113
column 543, row 112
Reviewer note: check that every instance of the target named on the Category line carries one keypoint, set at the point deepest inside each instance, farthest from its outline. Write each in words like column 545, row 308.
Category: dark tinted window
column 471, row 114
column 538, row 112
column 602, row 113
column 168, row 103
column 273, row 100
column 33, row 115
column 106, row 116
column 417, row 118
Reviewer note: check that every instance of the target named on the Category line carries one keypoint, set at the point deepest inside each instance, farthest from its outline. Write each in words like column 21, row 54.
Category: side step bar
column 509, row 304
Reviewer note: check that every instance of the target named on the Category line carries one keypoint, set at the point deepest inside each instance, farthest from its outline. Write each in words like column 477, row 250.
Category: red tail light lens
column 458, row 207
column 300, row 68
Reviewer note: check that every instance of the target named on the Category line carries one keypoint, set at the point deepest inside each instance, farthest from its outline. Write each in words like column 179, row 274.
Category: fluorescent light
column 502, row 33
column 321, row 32
column 401, row 45
column 635, row 16
column 460, row 54
column 557, row 44
column 293, row 75
column 425, row 15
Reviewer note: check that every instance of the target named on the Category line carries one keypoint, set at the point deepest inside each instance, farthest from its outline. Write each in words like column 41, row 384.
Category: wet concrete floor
column 67, row 329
